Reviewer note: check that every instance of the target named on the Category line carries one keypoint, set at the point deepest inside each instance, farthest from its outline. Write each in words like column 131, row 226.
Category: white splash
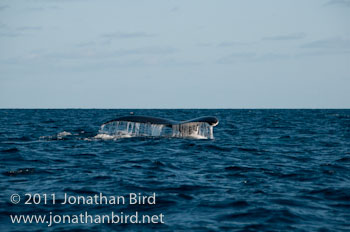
column 63, row 134
column 59, row 136
column 122, row 129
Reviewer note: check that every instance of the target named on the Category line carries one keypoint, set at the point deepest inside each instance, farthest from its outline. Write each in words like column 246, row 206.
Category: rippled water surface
column 265, row 170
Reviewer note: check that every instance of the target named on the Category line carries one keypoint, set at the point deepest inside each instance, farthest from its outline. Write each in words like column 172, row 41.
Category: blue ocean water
column 265, row 170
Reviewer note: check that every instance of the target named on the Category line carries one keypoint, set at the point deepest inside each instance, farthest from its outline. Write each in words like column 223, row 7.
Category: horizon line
column 223, row 108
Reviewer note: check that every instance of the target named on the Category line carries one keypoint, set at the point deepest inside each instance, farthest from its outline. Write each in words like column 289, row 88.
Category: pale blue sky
column 175, row 54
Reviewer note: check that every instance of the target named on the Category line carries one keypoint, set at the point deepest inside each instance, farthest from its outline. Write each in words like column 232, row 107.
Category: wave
column 60, row 136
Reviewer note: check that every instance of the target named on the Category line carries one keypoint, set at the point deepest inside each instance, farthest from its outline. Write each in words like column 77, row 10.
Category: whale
column 143, row 126
column 210, row 120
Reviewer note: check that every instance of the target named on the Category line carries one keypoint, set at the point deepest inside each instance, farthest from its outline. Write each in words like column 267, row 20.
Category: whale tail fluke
column 136, row 126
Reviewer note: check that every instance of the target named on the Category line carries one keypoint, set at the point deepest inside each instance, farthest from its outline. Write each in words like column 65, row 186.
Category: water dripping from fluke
column 145, row 126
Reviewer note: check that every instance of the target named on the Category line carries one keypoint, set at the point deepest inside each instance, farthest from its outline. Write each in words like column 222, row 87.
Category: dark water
column 266, row 170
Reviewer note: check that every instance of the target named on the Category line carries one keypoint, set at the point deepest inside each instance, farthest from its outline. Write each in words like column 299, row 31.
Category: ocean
column 262, row 170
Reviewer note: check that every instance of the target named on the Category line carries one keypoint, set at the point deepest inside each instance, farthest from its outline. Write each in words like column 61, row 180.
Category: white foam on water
column 110, row 137
column 59, row 136
column 122, row 129
column 63, row 134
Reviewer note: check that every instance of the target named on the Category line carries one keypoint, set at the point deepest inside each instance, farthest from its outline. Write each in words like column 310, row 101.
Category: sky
column 174, row 54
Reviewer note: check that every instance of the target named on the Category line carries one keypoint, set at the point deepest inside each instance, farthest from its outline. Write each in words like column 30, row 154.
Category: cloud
column 86, row 44
column 59, row 1
column 9, row 34
column 294, row 36
column 345, row 3
column 146, row 51
column 236, row 57
column 127, row 35
column 3, row 7
column 233, row 44
column 324, row 47
column 83, row 58
column 321, row 53
column 204, row 44
column 334, row 44
column 43, row 8
column 174, row 9
column 6, row 32
column 273, row 56
column 28, row 28
column 251, row 57
column 81, row 55
column 19, row 31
